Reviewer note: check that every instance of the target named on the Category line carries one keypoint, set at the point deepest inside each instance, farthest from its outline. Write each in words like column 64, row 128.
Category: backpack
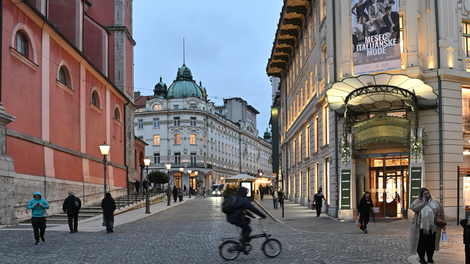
column 229, row 205
column 76, row 203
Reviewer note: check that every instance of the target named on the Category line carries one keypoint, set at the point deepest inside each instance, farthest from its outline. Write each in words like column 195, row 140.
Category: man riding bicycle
column 238, row 217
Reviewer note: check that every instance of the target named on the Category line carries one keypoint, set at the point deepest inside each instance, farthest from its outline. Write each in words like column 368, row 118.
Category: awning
column 379, row 93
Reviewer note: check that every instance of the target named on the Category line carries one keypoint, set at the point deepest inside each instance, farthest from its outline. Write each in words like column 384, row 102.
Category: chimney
column 136, row 94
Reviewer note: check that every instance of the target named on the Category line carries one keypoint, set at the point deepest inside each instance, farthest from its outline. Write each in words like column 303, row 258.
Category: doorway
column 388, row 177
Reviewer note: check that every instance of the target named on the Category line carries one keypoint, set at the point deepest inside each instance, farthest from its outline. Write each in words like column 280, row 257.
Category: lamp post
column 104, row 148
column 168, row 192
column 147, row 198
column 181, row 180
column 189, row 177
column 197, row 179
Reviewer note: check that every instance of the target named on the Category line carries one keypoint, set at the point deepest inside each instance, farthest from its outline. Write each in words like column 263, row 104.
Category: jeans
column 39, row 226
column 73, row 217
column 275, row 200
column 426, row 244
column 246, row 230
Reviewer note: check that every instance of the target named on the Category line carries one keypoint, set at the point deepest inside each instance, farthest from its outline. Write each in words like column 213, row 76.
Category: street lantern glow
column 196, row 172
column 181, row 169
column 147, row 162
column 189, row 171
column 104, row 148
column 168, row 166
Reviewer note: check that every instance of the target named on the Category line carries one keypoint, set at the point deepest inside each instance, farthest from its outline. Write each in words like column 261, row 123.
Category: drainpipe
column 336, row 115
column 439, row 87
column 125, row 147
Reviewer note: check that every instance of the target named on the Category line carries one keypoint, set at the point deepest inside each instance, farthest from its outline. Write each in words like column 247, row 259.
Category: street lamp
column 147, row 199
column 189, row 176
column 104, row 148
column 168, row 192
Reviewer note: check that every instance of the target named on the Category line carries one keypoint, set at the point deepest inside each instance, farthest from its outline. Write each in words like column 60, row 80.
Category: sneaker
column 365, row 231
column 430, row 261
column 422, row 262
column 43, row 239
column 37, row 242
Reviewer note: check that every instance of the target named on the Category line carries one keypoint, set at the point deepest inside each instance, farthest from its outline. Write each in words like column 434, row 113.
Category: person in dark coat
column 109, row 206
column 318, row 201
column 466, row 239
column 238, row 217
column 175, row 193
column 185, row 188
column 137, row 186
column 145, row 186
column 281, row 197
column 72, row 206
column 261, row 192
column 364, row 208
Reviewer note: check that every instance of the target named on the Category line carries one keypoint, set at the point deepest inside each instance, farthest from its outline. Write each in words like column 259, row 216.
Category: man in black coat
column 72, row 206
column 238, row 217
column 145, row 186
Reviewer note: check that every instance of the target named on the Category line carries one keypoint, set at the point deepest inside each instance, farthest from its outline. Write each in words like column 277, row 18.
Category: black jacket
column 69, row 205
column 108, row 204
column 243, row 205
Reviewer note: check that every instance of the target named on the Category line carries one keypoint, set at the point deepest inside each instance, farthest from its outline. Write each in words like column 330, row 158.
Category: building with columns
column 374, row 96
column 66, row 87
column 201, row 141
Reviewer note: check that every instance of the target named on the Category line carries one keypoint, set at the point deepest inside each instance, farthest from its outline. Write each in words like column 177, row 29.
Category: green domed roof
column 184, row 85
column 160, row 89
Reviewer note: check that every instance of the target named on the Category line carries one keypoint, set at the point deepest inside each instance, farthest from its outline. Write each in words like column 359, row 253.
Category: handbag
column 313, row 207
column 440, row 222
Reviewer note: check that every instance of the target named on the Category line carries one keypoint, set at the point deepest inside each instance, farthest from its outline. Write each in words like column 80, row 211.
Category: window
column 177, row 139
column 156, row 122
column 326, row 130
column 176, row 121
column 192, row 139
column 95, row 100
column 176, row 107
column 117, row 114
column 315, row 127
column 156, row 140
column 293, row 152
column 156, row 158
column 141, row 137
column 63, row 75
column 402, row 34
column 157, row 107
column 140, row 123
column 307, row 141
column 193, row 121
column 204, row 140
column 177, row 157
column 193, row 158
column 22, row 44
column 300, row 183
column 323, row 8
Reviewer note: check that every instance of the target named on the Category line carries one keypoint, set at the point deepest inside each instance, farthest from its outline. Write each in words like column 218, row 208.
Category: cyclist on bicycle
column 238, row 217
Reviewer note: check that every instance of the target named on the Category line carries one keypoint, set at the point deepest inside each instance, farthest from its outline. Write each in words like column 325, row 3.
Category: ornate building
column 200, row 140
column 373, row 96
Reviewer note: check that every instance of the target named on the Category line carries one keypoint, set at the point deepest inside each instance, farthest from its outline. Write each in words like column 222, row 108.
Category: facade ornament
column 345, row 150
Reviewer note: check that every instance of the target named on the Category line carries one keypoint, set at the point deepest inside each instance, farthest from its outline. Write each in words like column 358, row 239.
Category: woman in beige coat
column 425, row 234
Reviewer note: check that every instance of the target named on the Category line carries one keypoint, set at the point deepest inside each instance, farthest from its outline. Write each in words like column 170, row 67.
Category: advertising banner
column 375, row 35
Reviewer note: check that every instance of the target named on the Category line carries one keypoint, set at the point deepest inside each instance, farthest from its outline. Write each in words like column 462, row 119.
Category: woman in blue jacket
column 38, row 206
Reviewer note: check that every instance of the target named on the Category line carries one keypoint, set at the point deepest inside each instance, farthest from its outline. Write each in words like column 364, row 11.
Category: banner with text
column 375, row 35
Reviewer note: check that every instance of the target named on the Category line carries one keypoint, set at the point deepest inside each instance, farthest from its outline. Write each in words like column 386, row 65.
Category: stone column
column 7, row 174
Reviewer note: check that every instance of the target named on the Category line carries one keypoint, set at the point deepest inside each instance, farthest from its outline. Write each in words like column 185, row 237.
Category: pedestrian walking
column 185, row 189
column 466, row 239
column 280, row 194
column 275, row 198
column 109, row 206
column 175, row 193
column 137, row 186
column 425, row 234
column 72, row 206
column 364, row 208
column 38, row 206
column 261, row 192
column 180, row 194
column 318, row 201
column 145, row 186
column 204, row 191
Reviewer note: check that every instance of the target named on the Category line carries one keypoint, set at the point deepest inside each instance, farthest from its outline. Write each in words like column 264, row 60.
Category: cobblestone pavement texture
column 191, row 233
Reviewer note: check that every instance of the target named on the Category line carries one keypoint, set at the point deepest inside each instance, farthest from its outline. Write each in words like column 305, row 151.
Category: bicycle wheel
column 272, row 247
column 227, row 250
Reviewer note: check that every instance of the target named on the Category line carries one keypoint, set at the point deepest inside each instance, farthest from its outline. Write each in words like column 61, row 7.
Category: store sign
column 345, row 189
column 382, row 129
column 375, row 35
column 415, row 183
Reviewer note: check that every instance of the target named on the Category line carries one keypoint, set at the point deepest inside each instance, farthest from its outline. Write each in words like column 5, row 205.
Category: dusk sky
column 228, row 44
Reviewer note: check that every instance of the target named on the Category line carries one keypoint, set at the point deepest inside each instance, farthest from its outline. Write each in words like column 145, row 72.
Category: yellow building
column 374, row 96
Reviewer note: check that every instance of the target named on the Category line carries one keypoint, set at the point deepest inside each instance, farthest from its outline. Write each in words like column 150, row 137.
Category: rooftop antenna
column 183, row 54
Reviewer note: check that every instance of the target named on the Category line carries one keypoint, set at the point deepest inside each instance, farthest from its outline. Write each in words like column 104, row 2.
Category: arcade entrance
column 388, row 177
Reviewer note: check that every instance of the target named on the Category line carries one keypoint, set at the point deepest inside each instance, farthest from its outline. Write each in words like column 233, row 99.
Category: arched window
column 95, row 99
column 117, row 114
column 64, row 76
column 22, row 44
column 157, row 107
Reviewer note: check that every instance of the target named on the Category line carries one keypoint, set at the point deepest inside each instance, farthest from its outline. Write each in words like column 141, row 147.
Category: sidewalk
column 122, row 216
column 302, row 218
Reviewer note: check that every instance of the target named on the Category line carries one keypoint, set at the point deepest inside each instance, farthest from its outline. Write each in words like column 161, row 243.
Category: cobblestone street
column 191, row 233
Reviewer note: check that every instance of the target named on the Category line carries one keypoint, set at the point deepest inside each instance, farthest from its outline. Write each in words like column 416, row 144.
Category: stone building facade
column 374, row 97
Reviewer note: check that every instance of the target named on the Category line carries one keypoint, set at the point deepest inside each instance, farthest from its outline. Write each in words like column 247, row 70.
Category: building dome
column 184, row 85
column 160, row 89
